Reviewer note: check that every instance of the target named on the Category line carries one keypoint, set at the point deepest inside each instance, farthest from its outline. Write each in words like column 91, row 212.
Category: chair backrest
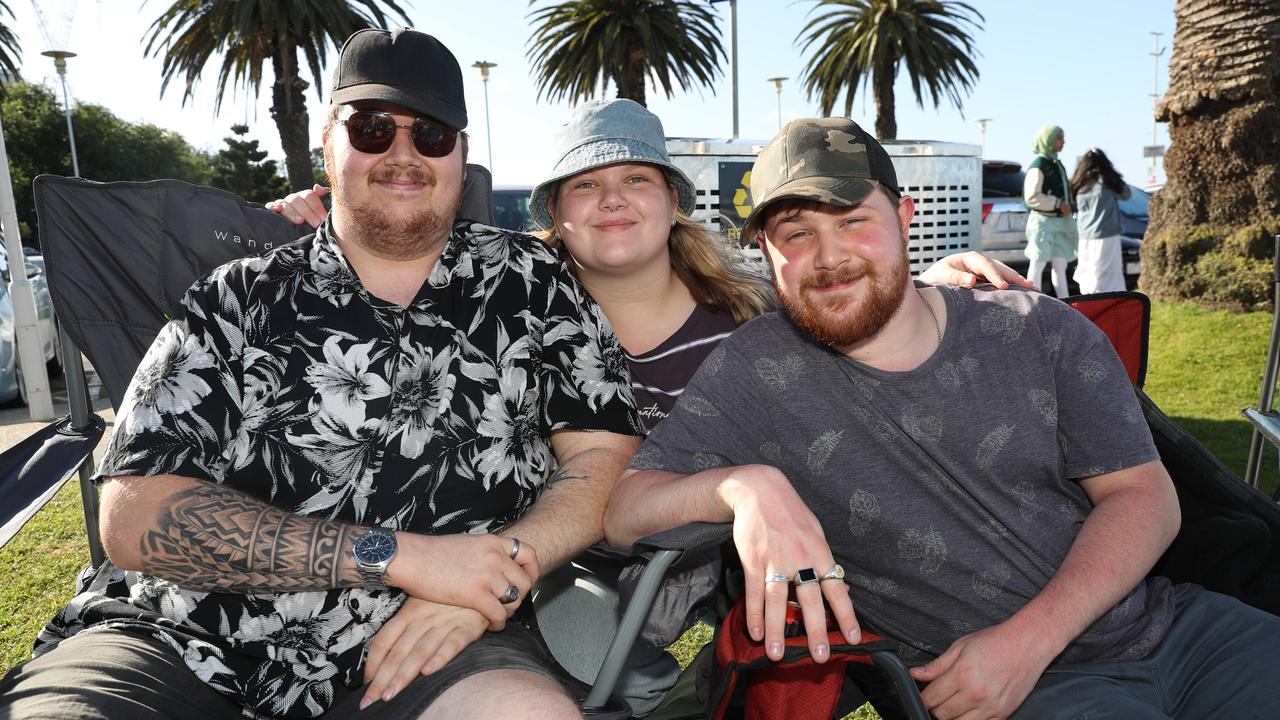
column 120, row 255
column 1126, row 319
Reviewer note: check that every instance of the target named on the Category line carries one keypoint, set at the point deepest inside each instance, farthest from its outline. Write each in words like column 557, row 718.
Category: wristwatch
column 373, row 552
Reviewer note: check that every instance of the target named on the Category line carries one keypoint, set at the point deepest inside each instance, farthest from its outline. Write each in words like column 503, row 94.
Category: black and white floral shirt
column 287, row 380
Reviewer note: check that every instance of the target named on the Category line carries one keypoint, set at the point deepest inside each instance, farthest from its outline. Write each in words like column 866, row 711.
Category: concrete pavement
column 16, row 423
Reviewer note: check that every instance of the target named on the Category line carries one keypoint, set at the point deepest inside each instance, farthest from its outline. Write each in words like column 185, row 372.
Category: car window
column 1137, row 202
column 1002, row 180
column 511, row 210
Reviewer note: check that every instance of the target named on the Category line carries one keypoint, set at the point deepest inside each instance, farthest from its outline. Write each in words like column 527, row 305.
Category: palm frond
column 853, row 42
column 577, row 48
column 10, row 49
column 249, row 33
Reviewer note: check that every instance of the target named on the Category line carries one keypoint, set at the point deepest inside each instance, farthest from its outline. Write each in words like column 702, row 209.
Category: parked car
column 1004, row 222
column 11, row 386
column 511, row 207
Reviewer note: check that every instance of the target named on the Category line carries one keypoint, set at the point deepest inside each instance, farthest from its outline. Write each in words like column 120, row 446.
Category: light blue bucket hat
column 605, row 132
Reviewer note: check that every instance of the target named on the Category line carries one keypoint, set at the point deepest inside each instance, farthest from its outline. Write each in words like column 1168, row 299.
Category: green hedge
column 1213, row 266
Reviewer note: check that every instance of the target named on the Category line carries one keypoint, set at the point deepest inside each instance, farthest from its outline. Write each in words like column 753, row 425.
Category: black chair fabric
column 33, row 471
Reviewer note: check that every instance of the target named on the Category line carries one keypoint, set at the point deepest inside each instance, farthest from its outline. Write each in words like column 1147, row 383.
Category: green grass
column 1204, row 367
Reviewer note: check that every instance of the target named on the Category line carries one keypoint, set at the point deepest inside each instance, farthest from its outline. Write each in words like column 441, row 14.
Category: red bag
column 794, row 687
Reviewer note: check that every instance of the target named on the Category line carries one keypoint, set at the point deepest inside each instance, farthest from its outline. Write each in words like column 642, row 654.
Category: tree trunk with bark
column 289, row 110
column 1209, row 237
column 886, row 111
column 632, row 87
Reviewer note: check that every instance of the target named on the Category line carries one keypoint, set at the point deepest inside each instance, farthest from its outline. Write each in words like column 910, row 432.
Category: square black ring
column 806, row 575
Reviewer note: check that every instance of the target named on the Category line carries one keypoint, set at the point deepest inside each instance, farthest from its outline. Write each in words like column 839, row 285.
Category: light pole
column 60, row 63
column 1155, row 150
column 777, row 85
column 733, row 59
column 488, row 133
column 982, row 124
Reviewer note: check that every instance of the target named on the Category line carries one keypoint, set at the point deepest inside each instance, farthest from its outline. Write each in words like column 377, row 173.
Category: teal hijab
column 1044, row 141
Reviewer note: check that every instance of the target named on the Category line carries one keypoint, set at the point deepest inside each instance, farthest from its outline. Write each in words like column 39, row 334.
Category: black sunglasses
column 372, row 131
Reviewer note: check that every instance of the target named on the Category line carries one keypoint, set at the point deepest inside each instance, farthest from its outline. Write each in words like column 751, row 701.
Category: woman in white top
column 1096, row 191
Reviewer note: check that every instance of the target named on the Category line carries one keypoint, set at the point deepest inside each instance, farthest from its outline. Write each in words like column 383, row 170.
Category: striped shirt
column 659, row 376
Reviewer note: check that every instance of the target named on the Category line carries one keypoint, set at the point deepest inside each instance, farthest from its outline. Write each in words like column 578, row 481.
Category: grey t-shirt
column 946, row 491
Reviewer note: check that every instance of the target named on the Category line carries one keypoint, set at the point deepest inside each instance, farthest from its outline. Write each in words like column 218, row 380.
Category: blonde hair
column 715, row 273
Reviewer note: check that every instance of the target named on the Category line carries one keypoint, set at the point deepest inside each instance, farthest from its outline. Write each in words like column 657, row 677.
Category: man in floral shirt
column 351, row 458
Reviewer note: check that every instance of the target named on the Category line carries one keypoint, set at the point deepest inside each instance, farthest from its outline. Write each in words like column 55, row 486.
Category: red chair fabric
column 1126, row 319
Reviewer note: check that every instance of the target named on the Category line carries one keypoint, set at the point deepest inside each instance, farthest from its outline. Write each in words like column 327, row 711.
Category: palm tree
column 9, row 48
column 1210, row 236
column 584, row 44
column 860, row 38
column 249, row 33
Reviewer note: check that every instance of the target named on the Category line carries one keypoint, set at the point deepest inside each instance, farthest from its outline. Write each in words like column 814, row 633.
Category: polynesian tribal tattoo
column 213, row 538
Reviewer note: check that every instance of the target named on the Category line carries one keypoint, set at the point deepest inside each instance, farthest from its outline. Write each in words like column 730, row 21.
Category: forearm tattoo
column 213, row 538
column 561, row 474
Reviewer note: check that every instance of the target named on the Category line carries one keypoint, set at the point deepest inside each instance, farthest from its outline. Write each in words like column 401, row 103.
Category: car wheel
column 22, row 386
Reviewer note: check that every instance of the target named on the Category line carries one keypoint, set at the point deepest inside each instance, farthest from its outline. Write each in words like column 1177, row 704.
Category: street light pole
column 488, row 133
column 777, row 85
column 982, row 124
column 60, row 64
column 733, row 59
column 1155, row 98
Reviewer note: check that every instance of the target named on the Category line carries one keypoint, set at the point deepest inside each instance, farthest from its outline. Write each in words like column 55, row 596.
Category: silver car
column 11, row 386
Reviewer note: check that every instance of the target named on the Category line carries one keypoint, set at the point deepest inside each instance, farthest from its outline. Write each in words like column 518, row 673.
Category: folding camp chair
column 1264, row 418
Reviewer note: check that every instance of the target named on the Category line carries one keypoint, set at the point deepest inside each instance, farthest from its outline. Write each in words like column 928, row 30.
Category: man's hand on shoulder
column 471, row 571
column 418, row 640
column 986, row 674
column 776, row 535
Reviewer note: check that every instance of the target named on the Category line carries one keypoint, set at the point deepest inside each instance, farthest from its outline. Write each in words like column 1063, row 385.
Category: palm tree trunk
column 886, row 113
column 1222, row 109
column 632, row 86
column 289, row 110
column 1223, row 163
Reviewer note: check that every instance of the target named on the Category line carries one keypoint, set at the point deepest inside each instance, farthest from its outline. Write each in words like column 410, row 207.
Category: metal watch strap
column 373, row 576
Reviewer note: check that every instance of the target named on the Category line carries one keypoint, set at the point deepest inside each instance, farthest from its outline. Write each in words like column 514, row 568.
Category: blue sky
column 1084, row 65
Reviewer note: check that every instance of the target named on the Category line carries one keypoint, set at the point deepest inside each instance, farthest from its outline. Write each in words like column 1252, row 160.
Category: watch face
column 375, row 548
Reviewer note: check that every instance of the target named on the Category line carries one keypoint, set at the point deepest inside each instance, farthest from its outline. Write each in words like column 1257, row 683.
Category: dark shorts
column 115, row 674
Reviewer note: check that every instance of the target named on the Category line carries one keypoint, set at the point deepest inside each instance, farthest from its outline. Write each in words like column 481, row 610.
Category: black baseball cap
column 402, row 67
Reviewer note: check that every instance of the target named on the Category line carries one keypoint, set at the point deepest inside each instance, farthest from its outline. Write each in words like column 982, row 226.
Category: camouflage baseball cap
column 830, row 160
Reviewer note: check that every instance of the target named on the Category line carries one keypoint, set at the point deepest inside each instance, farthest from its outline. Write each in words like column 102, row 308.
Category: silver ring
column 515, row 549
column 775, row 577
column 835, row 573
column 511, row 595
column 805, row 576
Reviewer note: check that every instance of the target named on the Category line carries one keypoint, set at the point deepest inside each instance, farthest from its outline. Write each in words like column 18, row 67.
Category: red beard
column 847, row 321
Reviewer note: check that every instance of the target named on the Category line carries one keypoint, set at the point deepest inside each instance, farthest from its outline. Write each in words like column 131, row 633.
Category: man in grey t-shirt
column 970, row 468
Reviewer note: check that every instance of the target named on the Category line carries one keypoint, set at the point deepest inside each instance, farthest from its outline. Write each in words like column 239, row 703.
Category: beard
column 403, row 236
column 846, row 321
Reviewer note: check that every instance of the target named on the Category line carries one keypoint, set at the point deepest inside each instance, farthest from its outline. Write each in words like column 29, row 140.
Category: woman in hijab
column 1051, row 233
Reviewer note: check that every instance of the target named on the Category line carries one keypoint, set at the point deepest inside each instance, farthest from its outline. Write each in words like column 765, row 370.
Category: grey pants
column 113, row 674
column 1217, row 661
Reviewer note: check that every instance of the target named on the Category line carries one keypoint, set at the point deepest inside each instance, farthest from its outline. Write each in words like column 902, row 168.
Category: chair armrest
column 690, row 539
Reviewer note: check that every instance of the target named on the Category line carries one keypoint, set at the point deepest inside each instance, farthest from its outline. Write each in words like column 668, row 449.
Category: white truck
column 944, row 178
